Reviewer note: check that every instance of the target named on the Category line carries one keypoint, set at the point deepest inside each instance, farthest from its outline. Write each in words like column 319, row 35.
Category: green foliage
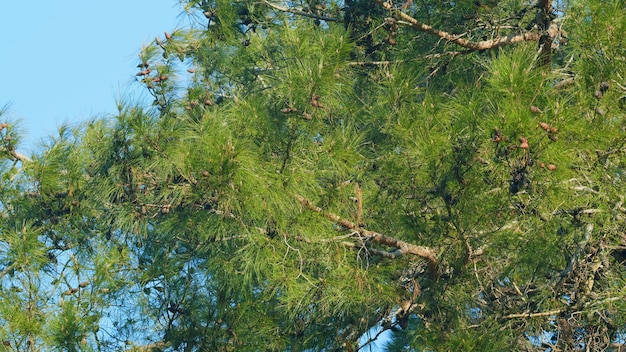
column 322, row 176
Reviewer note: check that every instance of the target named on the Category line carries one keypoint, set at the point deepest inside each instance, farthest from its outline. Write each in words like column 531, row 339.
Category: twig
column 564, row 83
column 359, row 203
column 372, row 339
column 7, row 269
column 577, row 211
column 425, row 57
column 533, row 315
column 574, row 259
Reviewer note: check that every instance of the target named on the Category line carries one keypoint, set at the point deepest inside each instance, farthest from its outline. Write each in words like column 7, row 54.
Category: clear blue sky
column 68, row 60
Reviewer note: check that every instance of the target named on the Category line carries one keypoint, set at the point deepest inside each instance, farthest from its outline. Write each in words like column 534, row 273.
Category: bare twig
column 533, row 315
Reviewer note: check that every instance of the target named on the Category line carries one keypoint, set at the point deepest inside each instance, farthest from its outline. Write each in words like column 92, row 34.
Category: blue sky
column 68, row 60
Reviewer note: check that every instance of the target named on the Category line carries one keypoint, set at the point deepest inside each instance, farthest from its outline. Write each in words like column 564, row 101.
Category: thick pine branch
column 465, row 43
column 402, row 247
column 545, row 37
column 17, row 156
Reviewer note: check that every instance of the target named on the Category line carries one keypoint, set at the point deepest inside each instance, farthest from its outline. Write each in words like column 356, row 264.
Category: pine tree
column 329, row 175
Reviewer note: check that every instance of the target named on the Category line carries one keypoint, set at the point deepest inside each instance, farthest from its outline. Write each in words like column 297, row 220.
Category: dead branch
column 402, row 247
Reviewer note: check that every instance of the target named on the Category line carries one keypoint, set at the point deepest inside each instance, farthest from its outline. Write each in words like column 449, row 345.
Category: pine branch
column 17, row 156
column 402, row 247
column 552, row 31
